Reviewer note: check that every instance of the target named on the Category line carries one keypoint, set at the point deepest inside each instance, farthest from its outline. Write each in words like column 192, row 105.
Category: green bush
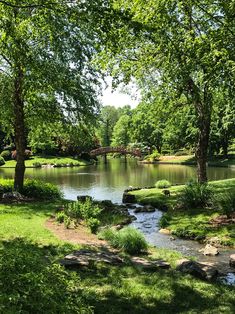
column 93, row 224
column 162, row 184
column 41, row 190
column 128, row 239
column 164, row 220
column 2, row 161
column 226, row 203
column 196, row 195
column 155, row 156
column 37, row 165
column 7, row 185
column 34, row 188
column 6, row 154
column 60, row 217
column 87, row 211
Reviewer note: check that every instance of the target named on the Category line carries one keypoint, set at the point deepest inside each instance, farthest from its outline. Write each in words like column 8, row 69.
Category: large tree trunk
column 204, row 119
column 19, row 129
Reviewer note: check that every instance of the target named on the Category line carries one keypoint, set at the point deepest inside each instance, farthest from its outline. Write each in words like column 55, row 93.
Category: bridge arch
column 121, row 150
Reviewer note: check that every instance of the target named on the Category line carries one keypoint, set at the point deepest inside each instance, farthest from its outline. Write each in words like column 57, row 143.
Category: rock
column 148, row 209
column 128, row 198
column 232, row 260
column 150, row 265
column 13, row 196
column 172, row 238
column 87, row 257
column 132, row 206
column 209, row 250
column 137, row 210
column 147, row 225
column 205, row 271
column 164, row 231
column 83, row 198
column 107, row 203
column 213, row 241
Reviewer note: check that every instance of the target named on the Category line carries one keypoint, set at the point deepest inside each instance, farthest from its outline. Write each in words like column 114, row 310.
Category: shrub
column 155, row 156
column 226, row 202
column 162, row 184
column 128, row 239
column 164, row 221
column 93, row 224
column 7, row 185
column 41, row 190
column 196, row 195
column 2, row 161
column 6, row 154
column 88, row 211
column 60, row 217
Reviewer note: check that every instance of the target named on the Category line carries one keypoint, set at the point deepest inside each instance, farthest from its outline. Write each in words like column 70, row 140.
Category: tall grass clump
column 196, row 195
column 127, row 239
column 2, row 161
column 163, row 184
column 226, row 203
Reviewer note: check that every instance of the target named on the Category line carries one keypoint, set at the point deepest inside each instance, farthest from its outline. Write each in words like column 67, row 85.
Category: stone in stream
column 232, row 260
column 164, row 231
column 209, row 250
column 149, row 265
column 86, row 257
column 128, row 198
column 145, row 209
column 205, row 271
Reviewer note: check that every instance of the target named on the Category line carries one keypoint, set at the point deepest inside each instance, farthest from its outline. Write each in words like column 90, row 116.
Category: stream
column 148, row 224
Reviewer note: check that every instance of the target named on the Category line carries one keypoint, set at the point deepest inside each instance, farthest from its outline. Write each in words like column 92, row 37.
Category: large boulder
column 205, row 271
column 128, row 198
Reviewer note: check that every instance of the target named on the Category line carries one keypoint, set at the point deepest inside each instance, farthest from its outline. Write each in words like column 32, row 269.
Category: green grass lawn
column 191, row 223
column 31, row 281
column 218, row 161
column 48, row 160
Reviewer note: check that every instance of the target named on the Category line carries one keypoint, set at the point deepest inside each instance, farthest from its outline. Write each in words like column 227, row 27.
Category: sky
column 121, row 96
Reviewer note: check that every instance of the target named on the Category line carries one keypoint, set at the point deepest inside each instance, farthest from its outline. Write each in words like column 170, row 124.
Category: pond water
column 108, row 181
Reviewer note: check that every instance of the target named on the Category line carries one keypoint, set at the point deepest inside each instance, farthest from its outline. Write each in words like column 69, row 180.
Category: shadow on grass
column 30, row 282
column 129, row 290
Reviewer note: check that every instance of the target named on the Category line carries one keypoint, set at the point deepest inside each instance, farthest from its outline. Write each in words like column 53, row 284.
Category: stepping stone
column 205, row 271
column 86, row 257
column 164, row 231
column 150, row 265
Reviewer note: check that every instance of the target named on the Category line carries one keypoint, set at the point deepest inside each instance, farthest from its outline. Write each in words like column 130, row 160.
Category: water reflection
column 107, row 181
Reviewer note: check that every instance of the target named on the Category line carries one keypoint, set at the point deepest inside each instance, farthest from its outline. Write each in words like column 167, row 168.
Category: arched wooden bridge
column 120, row 150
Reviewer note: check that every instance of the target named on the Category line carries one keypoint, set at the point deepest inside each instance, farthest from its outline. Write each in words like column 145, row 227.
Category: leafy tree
column 186, row 48
column 108, row 117
column 45, row 53
column 121, row 132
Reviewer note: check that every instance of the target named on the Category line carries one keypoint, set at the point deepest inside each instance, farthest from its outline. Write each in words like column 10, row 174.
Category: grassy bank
column 33, row 282
column 192, row 223
column 39, row 161
column 218, row 161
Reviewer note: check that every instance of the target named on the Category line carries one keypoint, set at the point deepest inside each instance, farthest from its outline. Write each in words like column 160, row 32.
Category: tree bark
column 204, row 120
column 19, row 129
